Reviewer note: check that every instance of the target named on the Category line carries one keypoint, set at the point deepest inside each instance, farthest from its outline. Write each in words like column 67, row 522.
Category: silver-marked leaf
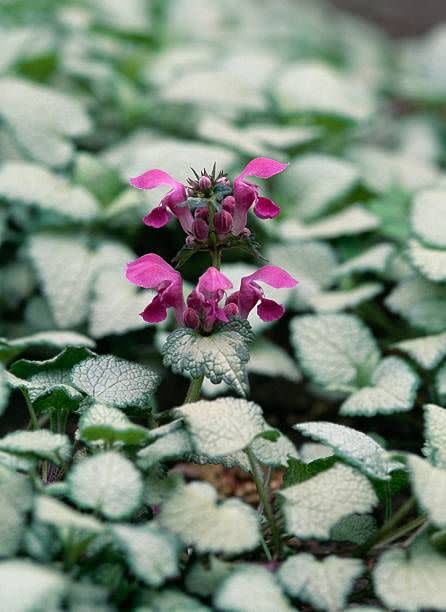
column 411, row 579
column 54, row 340
column 339, row 300
column 26, row 585
column 215, row 89
column 107, row 483
column 429, row 486
column 47, row 383
column 312, row 507
column 222, row 426
column 429, row 261
column 152, row 554
column 316, row 181
column 65, row 267
column 353, row 220
column 203, row 578
column 324, row 584
column 251, row 588
column 222, row 356
column 420, row 302
column 311, row 262
column 375, row 259
column 427, row 351
column 101, row 423
column 171, row 600
column 115, row 304
column 393, row 388
column 144, row 149
column 42, row 119
column 269, row 359
column 15, row 501
column 274, row 453
column 381, row 169
column 31, row 185
column 175, row 445
column 230, row 527
column 336, row 350
column 58, row 514
column 315, row 87
column 435, row 434
column 428, row 217
column 38, row 444
column 310, row 451
column 115, row 381
column 354, row 446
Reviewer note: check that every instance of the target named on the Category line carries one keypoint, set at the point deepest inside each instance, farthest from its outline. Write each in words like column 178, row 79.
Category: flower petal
column 158, row 217
column 269, row 310
column 271, row 275
column 152, row 179
column 150, row 270
column 263, row 167
column 266, row 208
column 155, row 312
column 213, row 281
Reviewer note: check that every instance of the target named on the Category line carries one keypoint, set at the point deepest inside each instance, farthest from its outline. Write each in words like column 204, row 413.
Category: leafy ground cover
column 262, row 445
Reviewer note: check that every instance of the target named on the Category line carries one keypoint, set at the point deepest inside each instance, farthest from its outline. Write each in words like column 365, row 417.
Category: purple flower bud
column 224, row 181
column 191, row 319
column 204, row 183
column 231, row 310
column 200, row 229
column 229, row 204
column 246, row 232
column 202, row 213
column 190, row 241
column 223, row 222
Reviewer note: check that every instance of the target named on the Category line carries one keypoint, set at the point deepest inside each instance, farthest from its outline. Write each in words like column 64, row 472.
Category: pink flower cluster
column 209, row 302
column 231, row 201
column 210, row 210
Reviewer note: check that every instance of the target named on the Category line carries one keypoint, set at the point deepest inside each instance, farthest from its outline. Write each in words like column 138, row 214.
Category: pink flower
column 206, row 297
column 246, row 193
column 251, row 293
column 174, row 201
column 205, row 302
column 152, row 272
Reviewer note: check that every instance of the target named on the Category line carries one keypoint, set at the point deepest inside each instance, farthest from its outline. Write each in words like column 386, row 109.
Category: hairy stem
column 266, row 502
column 194, row 390
column 32, row 415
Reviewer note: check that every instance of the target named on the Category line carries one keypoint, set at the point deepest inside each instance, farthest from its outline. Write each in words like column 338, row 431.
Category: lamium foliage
column 222, row 309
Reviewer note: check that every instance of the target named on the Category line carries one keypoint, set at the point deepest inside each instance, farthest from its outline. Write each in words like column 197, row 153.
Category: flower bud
column 202, row 213
column 190, row 241
column 223, row 222
column 229, row 204
column 200, row 229
column 204, row 183
column 191, row 319
column 231, row 310
column 246, row 233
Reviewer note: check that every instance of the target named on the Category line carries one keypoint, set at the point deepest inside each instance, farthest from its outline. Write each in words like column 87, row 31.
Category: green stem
column 388, row 527
column 32, row 414
column 194, row 390
column 264, row 498
column 216, row 258
column 417, row 522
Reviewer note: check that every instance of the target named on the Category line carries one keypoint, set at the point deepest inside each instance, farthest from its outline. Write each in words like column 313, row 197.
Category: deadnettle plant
column 213, row 212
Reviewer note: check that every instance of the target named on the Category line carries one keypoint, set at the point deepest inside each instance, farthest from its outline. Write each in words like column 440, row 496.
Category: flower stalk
column 266, row 502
